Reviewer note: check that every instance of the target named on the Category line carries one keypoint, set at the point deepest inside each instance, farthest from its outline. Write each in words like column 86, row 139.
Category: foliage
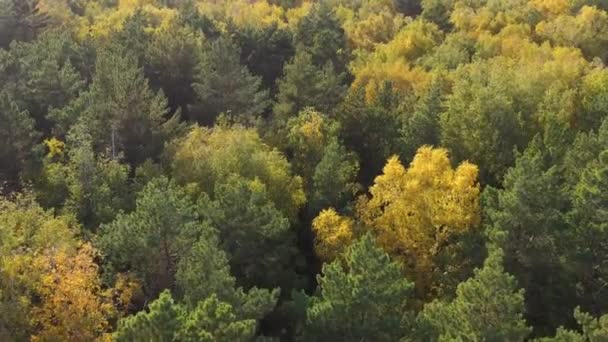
column 322, row 135
column 365, row 298
column 207, row 157
column 223, row 85
column 416, row 212
column 333, row 234
column 487, row 307
column 305, row 84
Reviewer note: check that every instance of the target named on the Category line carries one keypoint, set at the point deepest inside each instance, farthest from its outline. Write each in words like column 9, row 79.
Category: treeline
column 335, row 170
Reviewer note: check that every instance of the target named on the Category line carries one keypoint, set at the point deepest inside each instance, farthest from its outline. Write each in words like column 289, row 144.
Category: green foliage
column 594, row 329
column 97, row 187
column 160, row 323
column 320, row 34
column 151, row 240
column 256, row 236
column 364, row 298
column 492, row 128
column 21, row 20
column 334, row 179
column 206, row 157
column 370, row 130
column 248, row 229
column 171, row 60
column 589, row 235
column 527, row 219
column 17, row 139
column 487, row 307
column 43, row 75
column 120, row 112
column 223, row 85
column 265, row 50
column 305, row 84
column 211, row 320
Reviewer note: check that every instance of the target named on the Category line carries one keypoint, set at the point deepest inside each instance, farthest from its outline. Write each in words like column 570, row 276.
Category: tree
column 370, row 129
column 206, row 157
column 74, row 306
column 20, row 20
column 333, row 234
column 171, row 61
column 365, row 298
column 26, row 230
column 43, row 76
column 223, row 85
column 491, row 130
column 422, row 126
column 255, row 235
column 487, row 307
column 526, row 219
column 308, row 134
column 151, row 240
column 593, row 329
column 594, row 87
column 211, row 320
column 78, row 181
column 166, row 244
column 120, row 112
column 586, row 31
column 50, row 287
column 17, row 140
column 305, row 84
column 334, row 179
column 416, row 213
column 265, row 50
column 322, row 36
column 160, row 323
column 588, row 237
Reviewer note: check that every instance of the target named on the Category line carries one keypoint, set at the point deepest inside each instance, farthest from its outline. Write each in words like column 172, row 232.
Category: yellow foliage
column 372, row 24
column 55, row 147
column 73, row 305
column 103, row 22
column 294, row 15
column 244, row 13
column 415, row 212
column 333, row 234
column 550, row 8
column 412, row 42
column 482, row 17
column 41, row 258
column 588, row 30
column 372, row 75
column 126, row 288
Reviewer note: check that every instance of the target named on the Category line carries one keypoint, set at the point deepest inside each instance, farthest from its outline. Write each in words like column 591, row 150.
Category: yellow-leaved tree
column 415, row 212
column 333, row 233
column 70, row 288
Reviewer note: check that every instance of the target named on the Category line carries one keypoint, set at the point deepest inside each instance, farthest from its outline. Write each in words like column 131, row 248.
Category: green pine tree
column 487, row 307
column 224, row 85
column 363, row 299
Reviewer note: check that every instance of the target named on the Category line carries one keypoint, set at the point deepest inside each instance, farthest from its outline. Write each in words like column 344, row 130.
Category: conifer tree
column 364, row 298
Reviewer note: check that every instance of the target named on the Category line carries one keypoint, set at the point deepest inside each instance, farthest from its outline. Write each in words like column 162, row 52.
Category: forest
column 293, row 170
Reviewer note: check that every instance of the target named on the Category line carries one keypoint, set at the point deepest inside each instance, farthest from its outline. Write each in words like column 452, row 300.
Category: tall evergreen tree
column 487, row 307
column 305, row 84
column 121, row 112
column 17, row 140
column 320, row 34
column 526, row 219
column 364, row 298
column 224, row 85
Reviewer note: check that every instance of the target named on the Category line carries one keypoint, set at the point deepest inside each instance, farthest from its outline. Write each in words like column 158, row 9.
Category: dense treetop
column 298, row 170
